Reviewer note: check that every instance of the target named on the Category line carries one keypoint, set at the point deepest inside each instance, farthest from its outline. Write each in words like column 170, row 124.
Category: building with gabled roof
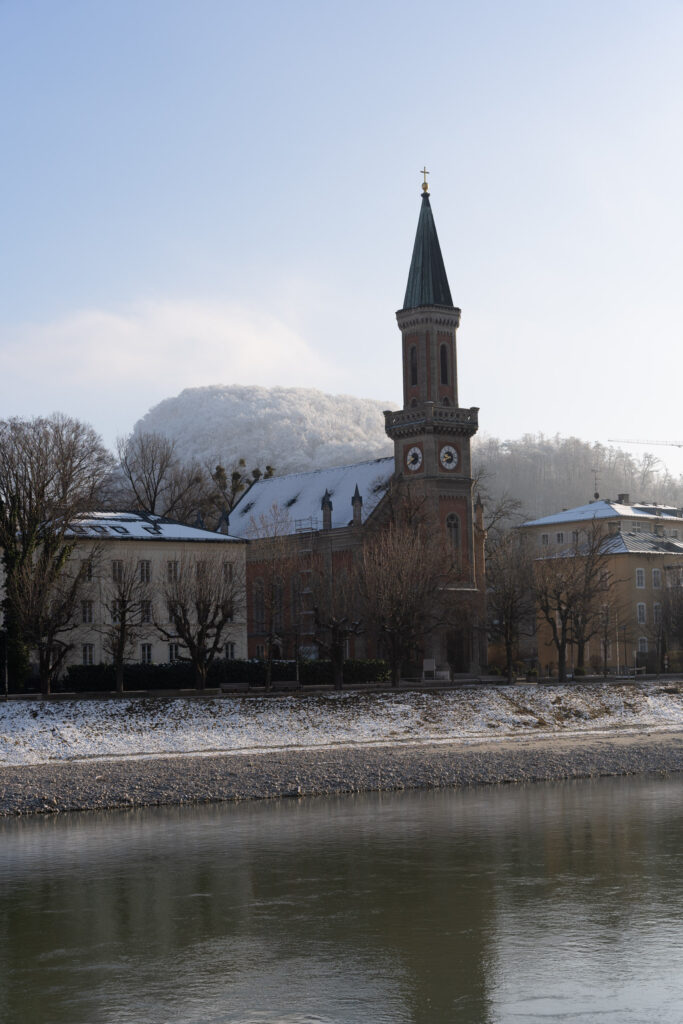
column 643, row 542
column 152, row 547
column 335, row 509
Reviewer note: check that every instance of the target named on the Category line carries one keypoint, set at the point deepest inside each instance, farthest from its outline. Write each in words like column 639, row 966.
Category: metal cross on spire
column 425, row 186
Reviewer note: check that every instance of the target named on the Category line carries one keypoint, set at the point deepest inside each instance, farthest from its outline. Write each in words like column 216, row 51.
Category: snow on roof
column 607, row 510
column 299, row 496
column 138, row 526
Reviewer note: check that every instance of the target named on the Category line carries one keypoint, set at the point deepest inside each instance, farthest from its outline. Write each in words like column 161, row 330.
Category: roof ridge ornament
column 425, row 186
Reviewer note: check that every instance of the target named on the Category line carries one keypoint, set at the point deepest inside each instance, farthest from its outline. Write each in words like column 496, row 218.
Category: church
column 329, row 514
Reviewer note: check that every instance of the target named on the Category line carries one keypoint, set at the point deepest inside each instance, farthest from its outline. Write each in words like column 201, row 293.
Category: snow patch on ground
column 33, row 732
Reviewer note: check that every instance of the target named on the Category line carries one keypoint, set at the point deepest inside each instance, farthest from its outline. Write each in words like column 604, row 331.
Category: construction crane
column 665, row 444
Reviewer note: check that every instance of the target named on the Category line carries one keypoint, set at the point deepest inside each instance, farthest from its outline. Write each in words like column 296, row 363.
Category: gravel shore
column 105, row 785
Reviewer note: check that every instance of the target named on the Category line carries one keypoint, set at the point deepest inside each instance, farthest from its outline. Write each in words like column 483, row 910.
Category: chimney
column 326, row 506
column 623, row 499
column 357, row 505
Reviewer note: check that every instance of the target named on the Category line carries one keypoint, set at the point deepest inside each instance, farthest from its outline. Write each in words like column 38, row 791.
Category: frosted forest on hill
column 299, row 429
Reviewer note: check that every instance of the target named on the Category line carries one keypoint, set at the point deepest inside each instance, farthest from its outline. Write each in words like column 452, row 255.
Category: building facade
column 129, row 557
column 636, row 621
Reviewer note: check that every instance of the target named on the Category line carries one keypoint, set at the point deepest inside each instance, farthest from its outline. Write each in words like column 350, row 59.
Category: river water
column 549, row 902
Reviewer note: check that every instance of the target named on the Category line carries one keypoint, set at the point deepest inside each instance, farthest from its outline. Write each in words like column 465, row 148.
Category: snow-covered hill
column 293, row 429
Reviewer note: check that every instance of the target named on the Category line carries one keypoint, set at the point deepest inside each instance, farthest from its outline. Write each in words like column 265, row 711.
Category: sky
column 213, row 192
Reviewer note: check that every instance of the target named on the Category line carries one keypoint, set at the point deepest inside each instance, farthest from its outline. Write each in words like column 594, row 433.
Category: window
column 640, row 610
column 117, row 570
column 87, row 570
column 575, row 536
column 145, row 611
column 228, row 571
column 674, row 534
column 544, row 540
column 87, row 652
column 146, row 654
column 559, row 537
column 444, row 364
column 230, row 651
column 170, row 608
column 145, row 571
column 453, row 528
column 172, row 572
column 642, row 645
column 657, row 613
column 640, row 578
column 117, row 610
column 413, row 366
column 260, row 650
column 656, row 578
column 173, row 651
column 86, row 611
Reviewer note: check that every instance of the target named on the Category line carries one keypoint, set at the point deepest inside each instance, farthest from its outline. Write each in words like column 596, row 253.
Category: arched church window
column 413, row 366
column 453, row 528
column 444, row 364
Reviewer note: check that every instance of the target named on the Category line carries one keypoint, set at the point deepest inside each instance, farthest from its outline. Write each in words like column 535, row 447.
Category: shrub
column 579, row 671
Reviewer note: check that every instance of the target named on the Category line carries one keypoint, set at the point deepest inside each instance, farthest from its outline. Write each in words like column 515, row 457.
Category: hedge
column 179, row 675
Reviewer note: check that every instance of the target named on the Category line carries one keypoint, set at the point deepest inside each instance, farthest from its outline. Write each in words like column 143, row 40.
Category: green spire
column 427, row 281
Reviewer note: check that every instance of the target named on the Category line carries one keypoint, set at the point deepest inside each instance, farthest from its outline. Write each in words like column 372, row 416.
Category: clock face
column 448, row 457
column 414, row 458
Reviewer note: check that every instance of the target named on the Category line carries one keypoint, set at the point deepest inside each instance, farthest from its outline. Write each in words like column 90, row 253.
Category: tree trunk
column 580, row 653
column 562, row 663
column 337, row 656
column 119, row 677
column 200, row 675
column 508, row 661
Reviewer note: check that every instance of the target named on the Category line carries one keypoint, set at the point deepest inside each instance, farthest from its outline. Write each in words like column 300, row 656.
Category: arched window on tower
column 453, row 528
column 444, row 364
column 413, row 366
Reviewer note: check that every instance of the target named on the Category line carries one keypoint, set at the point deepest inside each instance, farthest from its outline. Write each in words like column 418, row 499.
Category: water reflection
column 555, row 901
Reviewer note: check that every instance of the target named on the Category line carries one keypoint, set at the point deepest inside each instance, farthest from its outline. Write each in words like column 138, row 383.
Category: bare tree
column 274, row 564
column 202, row 598
column 230, row 484
column 401, row 576
column 45, row 596
column 128, row 603
column 156, row 479
column 570, row 590
column 51, row 469
column 334, row 603
column 510, row 595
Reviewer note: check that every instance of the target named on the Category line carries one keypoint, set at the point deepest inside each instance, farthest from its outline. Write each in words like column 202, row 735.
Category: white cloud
column 110, row 367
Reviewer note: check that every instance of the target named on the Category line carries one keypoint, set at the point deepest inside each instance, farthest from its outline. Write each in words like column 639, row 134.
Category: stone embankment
column 83, row 785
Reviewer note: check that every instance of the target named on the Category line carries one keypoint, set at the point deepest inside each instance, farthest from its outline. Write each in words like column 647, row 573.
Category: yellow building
column 641, row 567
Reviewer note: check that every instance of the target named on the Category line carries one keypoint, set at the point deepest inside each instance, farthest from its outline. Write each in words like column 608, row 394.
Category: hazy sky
column 220, row 192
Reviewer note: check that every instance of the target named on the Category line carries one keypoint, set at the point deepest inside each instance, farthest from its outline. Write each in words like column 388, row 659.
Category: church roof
column 298, row 497
column 427, row 281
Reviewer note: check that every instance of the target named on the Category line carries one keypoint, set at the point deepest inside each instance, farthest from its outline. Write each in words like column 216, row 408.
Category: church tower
column 431, row 433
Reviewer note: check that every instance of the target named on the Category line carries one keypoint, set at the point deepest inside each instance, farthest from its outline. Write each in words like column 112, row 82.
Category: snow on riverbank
column 33, row 732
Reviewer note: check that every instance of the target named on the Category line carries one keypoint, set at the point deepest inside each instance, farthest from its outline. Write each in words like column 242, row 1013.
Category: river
column 550, row 902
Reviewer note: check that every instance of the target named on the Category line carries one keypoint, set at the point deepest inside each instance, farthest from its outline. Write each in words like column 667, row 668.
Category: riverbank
column 105, row 785
column 101, row 754
column 43, row 732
